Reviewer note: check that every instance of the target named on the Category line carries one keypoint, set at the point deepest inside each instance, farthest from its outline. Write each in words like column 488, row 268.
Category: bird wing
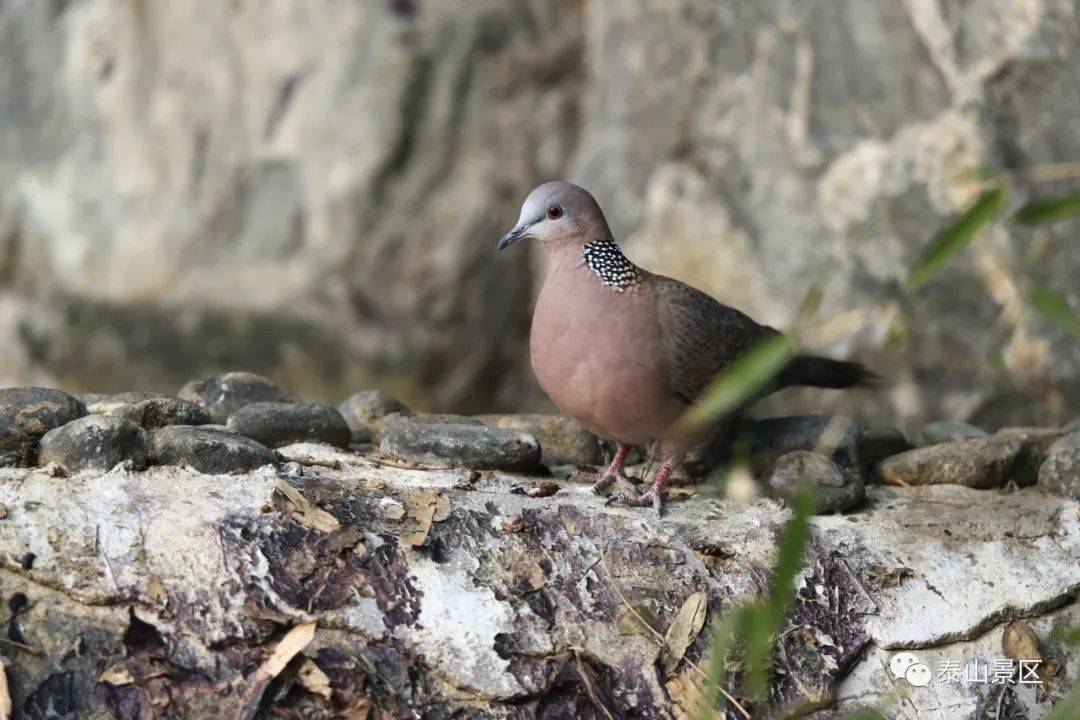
column 701, row 335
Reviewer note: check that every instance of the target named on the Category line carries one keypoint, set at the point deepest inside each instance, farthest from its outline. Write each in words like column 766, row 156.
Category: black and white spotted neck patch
column 613, row 268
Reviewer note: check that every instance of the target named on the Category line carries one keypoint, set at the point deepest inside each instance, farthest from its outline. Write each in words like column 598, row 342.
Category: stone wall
column 313, row 190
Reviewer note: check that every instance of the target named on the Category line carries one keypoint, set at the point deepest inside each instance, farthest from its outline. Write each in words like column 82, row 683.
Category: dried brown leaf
column 425, row 507
column 117, row 675
column 304, row 512
column 683, row 630
column 687, row 702
column 314, row 679
column 543, row 490
column 1019, row 643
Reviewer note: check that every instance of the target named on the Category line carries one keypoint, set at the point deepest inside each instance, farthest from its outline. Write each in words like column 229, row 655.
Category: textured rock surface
column 475, row 599
column 276, row 424
column 471, row 446
column 16, row 447
column 1060, row 472
column 158, row 412
column 976, row 462
column 768, row 439
column 336, row 174
column 36, row 410
column 836, row 490
column 562, row 441
column 207, row 449
column 222, row 395
column 94, row 442
column 362, row 409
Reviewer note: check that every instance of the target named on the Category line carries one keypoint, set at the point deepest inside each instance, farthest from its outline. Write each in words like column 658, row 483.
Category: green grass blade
column 950, row 241
column 742, row 381
column 1055, row 308
column 1043, row 211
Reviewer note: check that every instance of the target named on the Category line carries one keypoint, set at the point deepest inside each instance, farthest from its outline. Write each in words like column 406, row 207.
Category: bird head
column 558, row 213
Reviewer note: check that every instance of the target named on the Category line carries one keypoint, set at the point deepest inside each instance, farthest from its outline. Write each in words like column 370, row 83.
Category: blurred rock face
column 313, row 190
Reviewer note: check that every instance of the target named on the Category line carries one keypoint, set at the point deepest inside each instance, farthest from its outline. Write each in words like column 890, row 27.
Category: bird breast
column 590, row 356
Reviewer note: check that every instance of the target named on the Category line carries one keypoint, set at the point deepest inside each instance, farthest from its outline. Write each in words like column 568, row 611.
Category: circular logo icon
column 918, row 675
column 901, row 662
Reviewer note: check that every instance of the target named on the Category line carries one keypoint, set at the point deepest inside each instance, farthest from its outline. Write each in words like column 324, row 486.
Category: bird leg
column 654, row 495
column 614, row 471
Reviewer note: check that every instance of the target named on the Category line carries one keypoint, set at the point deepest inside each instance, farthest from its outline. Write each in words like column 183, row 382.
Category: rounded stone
column 768, row 439
column 16, row 447
column 835, row 490
column 108, row 403
column 37, row 410
column 277, row 424
column 161, row 411
column 472, row 446
column 943, row 431
column 1060, row 471
column 207, row 449
column 878, row 443
column 562, row 441
column 222, row 395
column 987, row 462
column 94, row 442
column 362, row 409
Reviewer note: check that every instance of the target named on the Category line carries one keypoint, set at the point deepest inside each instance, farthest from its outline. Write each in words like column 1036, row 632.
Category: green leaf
column 1055, row 308
column 1048, row 210
column 742, row 381
column 950, row 241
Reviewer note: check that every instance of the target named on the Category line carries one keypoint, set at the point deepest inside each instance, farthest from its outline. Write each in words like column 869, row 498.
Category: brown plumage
column 624, row 351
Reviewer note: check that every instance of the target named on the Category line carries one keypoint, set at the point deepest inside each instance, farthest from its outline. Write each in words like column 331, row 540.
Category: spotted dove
column 626, row 352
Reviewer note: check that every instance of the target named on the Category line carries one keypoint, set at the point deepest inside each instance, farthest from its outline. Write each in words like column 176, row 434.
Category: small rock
column 987, row 462
column 208, row 449
column 770, row 438
column 36, row 410
column 943, row 431
column 419, row 419
column 835, row 489
column 474, row 446
column 16, row 447
column 222, row 395
column 362, row 409
column 108, row 403
column 94, row 442
column 277, row 424
column 1036, row 443
column 89, row 399
column 562, row 441
column 878, row 443
column 1060, row 471
column 157, row 412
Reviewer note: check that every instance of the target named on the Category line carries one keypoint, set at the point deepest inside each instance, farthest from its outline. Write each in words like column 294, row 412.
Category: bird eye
column 555, row 212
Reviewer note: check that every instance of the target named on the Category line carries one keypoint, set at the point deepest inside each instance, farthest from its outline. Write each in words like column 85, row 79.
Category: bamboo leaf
column 1043, row 211
column 950, row 241
column 742, row 381
column 1055, row 308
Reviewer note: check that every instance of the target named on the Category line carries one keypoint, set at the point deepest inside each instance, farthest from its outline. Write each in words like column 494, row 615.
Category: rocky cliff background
column 314, row 190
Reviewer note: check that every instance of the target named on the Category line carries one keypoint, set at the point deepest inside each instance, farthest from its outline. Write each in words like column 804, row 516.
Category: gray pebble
column 562, row 441
column 835, row 489
column 987, row 462
column 473, row 446
column 1060, row 471
column 222, row 395
column 36, row 410
column 161, row 411
column 94, row 442
column 943, row 431
column 207, row 449
column 277, row 424
column 362, row 409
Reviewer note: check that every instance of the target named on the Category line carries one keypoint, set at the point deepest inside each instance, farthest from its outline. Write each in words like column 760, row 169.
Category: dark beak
column 512, row 237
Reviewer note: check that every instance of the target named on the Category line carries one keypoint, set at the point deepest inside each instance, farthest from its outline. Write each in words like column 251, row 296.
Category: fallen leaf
column 683, row 629
column 1019, row 643
column 314, row 679
column 294, row 641
column 687, row 702
column 513, row 524
column 5, row 695
column 155, row 590
column 304, row 512
column 543, row 490
column 527, row 574
column 425, row 507
column 117, row 676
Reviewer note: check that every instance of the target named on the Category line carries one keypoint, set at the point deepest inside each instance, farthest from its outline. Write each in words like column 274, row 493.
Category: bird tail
column 823, row 372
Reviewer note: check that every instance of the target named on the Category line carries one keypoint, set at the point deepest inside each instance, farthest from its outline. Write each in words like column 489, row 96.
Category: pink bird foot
column 654, row 495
